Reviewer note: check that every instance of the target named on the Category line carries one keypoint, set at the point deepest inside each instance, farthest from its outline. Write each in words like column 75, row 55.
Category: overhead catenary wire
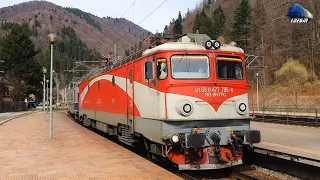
column 152, row 12
column 123, row 59
column 128, row 9
column 167, row 0
column 148, row 14
column 110, row 30
column 122, row 38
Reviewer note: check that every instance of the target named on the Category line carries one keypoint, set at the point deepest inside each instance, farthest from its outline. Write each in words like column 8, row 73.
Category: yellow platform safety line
column 229, row 59
column 291, row 148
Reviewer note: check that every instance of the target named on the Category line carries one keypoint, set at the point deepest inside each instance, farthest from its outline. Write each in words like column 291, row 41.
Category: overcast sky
column 115, row 8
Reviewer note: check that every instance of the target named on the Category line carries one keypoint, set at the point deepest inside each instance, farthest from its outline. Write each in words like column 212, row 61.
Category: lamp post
column 44, row 91
column 58, row 95
column 65, row 95
column 52, row 39
column 47, row 103
column 257, row 91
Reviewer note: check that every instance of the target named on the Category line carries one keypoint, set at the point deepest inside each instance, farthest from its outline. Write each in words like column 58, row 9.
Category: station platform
column 296, row 140
column 74, row 153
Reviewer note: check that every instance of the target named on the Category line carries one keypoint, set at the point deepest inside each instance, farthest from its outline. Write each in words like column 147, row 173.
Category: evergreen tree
column 242, row 24
column 196, row 23
column 72, row 45
column 165, row 29
column 219, row 21
column 208, row 3
column 177, row 28
column 173, row 20
column 202, row 23
column 22, row 71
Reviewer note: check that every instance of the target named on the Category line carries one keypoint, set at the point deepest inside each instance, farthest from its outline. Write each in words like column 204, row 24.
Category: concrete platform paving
column 75, row 153
column 297, row 140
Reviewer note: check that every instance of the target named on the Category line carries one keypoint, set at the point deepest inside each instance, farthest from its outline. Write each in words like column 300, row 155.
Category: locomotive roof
column 188, row 46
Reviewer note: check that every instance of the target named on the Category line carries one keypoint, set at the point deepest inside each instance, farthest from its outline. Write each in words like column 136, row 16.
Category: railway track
column 244, row 173
column 242, row 176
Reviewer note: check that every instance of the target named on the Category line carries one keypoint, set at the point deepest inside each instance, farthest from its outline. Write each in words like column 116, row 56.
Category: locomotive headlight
column 187, row 108
column 174, row 138
column 209, row 44
column 184, row 108
column 241, row 108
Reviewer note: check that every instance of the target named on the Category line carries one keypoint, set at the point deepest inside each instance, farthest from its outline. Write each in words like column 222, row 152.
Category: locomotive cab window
column 162, row 69
column 148, row 70
column 229, row 68
column 190, row 67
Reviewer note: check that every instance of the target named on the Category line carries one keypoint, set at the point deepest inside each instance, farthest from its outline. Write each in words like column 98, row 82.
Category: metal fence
column 287, row 114
column 13, row 106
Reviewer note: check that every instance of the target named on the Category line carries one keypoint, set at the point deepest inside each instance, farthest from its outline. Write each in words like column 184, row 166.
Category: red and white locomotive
column 183, row 101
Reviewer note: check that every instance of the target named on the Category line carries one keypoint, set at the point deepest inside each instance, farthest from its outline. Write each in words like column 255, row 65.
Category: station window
column 229, row 68
column 162, row 69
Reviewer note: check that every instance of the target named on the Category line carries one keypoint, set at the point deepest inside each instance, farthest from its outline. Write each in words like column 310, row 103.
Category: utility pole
column 115, row 52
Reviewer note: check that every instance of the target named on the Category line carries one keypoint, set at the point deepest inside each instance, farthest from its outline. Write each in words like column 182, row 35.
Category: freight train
column 182, row 101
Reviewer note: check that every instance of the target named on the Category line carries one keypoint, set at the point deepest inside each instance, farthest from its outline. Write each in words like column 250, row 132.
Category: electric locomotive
column 182, row 101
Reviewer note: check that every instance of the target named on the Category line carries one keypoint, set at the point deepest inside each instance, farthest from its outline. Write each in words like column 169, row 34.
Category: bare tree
column 293, row 74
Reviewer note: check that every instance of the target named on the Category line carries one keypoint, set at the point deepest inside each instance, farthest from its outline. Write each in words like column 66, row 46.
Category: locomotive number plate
column 214, row 91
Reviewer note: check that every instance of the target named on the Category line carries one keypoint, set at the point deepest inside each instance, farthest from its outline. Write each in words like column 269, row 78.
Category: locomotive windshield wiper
column 180, row 60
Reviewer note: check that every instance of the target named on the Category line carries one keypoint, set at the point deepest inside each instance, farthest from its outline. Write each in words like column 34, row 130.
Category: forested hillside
column 81, row 37
column 99, row 33
column 261, row 28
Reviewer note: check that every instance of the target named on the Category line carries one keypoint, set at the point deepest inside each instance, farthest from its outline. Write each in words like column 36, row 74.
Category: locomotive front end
column 209, row 147
column 208, row 121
